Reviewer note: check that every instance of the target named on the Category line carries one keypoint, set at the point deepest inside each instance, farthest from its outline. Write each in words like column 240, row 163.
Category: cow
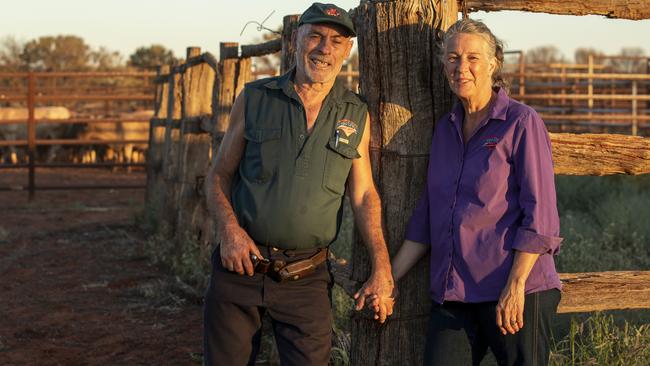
column 131, row 126
column 18, row 130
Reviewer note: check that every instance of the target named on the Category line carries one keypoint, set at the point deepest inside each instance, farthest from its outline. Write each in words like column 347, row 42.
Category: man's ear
column 349, row 50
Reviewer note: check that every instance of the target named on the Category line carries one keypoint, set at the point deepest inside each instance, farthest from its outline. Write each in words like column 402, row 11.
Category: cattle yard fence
column 95, row 96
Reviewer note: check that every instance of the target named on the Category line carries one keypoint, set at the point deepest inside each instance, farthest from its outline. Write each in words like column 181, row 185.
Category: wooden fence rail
column 29, row 92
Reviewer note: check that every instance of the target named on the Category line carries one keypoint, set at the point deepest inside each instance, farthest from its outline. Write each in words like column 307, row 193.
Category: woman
column 488, row 215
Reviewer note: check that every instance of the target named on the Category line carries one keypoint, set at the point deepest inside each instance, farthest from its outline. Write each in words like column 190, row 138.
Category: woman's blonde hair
column 495, row 46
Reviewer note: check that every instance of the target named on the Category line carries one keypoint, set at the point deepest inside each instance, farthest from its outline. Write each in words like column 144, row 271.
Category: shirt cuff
column 417, row 232
column 531, row 242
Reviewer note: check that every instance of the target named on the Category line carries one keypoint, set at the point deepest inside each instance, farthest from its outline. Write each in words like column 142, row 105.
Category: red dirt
column 75, row 285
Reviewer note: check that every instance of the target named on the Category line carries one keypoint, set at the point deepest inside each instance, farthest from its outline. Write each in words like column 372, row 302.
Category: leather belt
column 283, row 271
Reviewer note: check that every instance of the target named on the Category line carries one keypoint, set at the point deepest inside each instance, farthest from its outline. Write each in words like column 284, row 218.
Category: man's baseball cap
column 327, row 13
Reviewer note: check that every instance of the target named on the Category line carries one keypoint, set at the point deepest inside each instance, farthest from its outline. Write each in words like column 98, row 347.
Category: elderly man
column 295, row 144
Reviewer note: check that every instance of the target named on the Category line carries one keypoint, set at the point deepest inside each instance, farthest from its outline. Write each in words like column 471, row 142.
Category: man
column 276, row 191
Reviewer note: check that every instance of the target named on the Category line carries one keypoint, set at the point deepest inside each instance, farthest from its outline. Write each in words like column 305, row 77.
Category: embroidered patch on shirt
column 346, row 127
column 491, row 142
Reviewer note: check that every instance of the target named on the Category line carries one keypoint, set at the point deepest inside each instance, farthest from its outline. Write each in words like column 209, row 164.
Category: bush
column 604, row 217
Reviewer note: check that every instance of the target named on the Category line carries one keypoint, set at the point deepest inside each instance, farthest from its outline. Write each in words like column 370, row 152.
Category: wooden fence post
column 288, row 53
column 170, row 151
column 155, row 182
column 194, row 151
column 406, row 90
column 232, row 74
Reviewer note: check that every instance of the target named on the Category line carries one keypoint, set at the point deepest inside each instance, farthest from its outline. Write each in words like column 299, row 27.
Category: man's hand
column 236, row 248
column 377, row 293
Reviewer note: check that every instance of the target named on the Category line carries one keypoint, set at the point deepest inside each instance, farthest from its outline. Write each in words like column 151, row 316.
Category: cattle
column 18, row 130
column 131, row 126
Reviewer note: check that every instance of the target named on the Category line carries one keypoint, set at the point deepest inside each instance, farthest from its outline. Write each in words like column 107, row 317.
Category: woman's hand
column 510, row 308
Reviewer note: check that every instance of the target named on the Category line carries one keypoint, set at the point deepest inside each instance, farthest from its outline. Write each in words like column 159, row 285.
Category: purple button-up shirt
column 484, row 200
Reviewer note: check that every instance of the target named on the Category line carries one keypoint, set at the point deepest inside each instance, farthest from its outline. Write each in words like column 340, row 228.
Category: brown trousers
column 300, row 312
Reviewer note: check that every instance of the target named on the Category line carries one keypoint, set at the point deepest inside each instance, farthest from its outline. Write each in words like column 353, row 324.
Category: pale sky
column 124, row 25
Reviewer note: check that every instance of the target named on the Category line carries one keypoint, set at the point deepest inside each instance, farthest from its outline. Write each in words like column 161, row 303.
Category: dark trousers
column 300, row 312
column 460, row 333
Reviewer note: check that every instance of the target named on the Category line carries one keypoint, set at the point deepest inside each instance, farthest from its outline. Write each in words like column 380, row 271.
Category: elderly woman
column 488, row 216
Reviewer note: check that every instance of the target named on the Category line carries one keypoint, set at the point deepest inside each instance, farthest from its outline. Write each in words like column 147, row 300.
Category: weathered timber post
column 155, row 182
column 232, row 74
column 406, row 90
column 288, row 53
column 194, row 150
column 170, row 151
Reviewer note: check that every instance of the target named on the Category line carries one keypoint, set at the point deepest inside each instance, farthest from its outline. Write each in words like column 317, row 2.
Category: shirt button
column 302, row 137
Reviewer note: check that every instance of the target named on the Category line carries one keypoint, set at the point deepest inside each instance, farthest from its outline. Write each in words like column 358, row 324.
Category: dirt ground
column 75, row 285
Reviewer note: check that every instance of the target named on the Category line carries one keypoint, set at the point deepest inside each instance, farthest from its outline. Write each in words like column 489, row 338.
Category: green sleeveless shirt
column 290, row 184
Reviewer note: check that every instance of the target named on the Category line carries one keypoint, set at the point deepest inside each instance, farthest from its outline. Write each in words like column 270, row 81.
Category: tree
column 56, row 53
column 632, row 61
column 544, row 55
column 581, row 55
column 152, row 56
column 10, row 50
column 104, row 59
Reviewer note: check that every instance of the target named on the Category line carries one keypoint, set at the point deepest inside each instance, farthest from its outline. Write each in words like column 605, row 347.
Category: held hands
column 236, row 249
column 510, row 309
column 378, row 294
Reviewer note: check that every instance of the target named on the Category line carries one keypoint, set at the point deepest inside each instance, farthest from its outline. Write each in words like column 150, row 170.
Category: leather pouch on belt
column 296, row 270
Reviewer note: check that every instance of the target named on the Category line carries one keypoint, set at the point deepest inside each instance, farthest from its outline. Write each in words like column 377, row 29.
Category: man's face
column 320, row 52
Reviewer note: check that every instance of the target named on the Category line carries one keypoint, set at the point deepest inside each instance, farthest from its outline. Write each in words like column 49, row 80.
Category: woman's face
column 469, row 66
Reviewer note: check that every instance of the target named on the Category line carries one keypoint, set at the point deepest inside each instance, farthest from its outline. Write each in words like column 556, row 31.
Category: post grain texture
column 194, row 150
column 404, row 84
column 600, row 154
column 288, row 53
column 232, row 74
column 170, row 152
column 623, row 9
column 155, row 182
column 598, row 291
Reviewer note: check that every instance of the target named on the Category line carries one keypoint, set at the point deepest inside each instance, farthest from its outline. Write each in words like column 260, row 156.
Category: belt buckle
column 260, row 265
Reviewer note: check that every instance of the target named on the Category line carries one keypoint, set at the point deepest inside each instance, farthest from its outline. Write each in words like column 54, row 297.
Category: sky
column 125, row 25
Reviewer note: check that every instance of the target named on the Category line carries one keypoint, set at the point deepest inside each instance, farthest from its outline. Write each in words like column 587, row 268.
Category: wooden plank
column 596, row 291
column 261, row 49
column 623, row 9
column 581, row 292
column 600, row 154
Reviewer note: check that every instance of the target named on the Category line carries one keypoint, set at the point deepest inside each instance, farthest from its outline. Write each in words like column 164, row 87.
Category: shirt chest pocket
column 338, row 160
column 262, row 153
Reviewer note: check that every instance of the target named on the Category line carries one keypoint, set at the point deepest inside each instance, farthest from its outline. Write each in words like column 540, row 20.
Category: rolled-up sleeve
column 418, row 228
column 533, row 164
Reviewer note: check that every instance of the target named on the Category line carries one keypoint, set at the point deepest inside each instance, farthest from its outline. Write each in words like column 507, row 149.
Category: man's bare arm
column 235, row 244
column 366, row 205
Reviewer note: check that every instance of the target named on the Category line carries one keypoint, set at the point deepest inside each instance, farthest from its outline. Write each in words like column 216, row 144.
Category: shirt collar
column 498, row 108
column 338, row 94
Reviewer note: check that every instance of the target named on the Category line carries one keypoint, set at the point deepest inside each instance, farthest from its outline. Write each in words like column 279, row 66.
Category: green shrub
column 604, row 222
